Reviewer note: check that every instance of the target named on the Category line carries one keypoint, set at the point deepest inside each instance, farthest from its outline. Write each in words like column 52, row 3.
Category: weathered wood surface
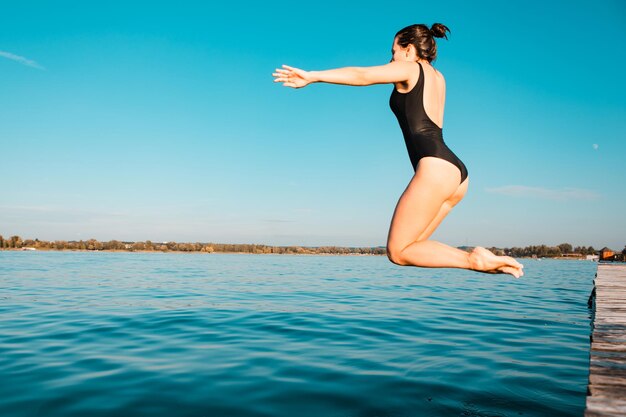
column 606, row 392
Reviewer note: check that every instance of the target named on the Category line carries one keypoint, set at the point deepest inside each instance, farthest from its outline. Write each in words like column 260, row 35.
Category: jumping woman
column 441, row 179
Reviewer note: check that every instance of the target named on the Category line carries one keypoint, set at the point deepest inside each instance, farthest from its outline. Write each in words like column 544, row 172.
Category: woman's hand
column 292, row 77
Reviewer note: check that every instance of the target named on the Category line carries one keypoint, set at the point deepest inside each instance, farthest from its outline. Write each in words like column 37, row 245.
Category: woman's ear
column 410, row 48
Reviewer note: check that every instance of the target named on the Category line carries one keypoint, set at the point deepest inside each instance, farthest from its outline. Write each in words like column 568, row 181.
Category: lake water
column 158, row 334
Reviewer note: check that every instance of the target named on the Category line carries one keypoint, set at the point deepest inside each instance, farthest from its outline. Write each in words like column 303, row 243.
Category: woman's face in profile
column 397, row 52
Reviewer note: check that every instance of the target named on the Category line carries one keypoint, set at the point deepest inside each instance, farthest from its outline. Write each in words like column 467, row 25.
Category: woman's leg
column 428, row 198
column 423, row 204
column 445, row 209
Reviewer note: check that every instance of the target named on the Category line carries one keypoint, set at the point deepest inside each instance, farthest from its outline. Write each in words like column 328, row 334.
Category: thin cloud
column 21, row 60
column 278, row 221
column 561, row 194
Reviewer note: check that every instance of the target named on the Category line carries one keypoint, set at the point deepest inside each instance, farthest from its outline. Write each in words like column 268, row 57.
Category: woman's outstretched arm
column 393, row 72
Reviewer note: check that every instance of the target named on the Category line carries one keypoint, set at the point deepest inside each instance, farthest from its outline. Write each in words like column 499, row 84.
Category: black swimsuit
column 421, row 135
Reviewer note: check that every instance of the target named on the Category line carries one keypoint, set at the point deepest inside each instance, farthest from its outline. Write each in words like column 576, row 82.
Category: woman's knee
column 394, row 254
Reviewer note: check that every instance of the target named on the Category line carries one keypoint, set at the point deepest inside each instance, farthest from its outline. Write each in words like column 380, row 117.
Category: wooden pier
column 606, row 392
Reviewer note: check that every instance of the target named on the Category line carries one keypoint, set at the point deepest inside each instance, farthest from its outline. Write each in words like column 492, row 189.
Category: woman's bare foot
column 483, row 260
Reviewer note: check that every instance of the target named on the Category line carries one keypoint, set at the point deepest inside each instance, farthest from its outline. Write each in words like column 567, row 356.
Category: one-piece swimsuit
column 421, row 135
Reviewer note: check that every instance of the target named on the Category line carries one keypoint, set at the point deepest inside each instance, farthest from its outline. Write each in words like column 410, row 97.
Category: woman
column 440, row 179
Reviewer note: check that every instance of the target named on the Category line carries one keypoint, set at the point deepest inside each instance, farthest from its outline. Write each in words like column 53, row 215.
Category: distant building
column 592, row 257
column 606, row 254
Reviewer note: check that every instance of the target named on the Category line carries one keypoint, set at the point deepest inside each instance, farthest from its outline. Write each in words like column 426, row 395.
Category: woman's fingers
column 290, row 77
column 285, row 82
column 280, row 78
column 281, row 75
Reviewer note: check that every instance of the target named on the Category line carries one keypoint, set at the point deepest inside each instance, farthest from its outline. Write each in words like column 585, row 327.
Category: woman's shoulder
column 437, row 72
column 439, row 75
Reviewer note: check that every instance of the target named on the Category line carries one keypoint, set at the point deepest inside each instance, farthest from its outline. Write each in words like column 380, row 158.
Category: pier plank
column 603, row 407
column 606, row 391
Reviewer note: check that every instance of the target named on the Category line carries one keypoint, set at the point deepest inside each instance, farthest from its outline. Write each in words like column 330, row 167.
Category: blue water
column 132, row 334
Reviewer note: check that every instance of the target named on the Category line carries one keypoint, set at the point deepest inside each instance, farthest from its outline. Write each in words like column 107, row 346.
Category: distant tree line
column 544, row 251
column 16, row 242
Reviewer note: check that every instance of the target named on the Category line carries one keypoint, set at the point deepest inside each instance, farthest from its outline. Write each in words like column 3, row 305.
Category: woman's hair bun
column 439, row 31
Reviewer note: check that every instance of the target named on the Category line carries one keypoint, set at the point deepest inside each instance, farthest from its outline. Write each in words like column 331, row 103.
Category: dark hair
column 422, row 38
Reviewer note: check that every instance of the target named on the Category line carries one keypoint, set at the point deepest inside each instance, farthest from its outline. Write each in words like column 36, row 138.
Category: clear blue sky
column 161, row 121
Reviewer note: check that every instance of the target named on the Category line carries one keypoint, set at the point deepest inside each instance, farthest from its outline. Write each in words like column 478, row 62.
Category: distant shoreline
column 542, row 251
column 183, row 252
column 566, row 258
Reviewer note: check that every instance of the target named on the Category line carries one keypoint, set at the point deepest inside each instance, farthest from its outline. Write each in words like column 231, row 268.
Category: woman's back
column 422, row 135
column 434, row 91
